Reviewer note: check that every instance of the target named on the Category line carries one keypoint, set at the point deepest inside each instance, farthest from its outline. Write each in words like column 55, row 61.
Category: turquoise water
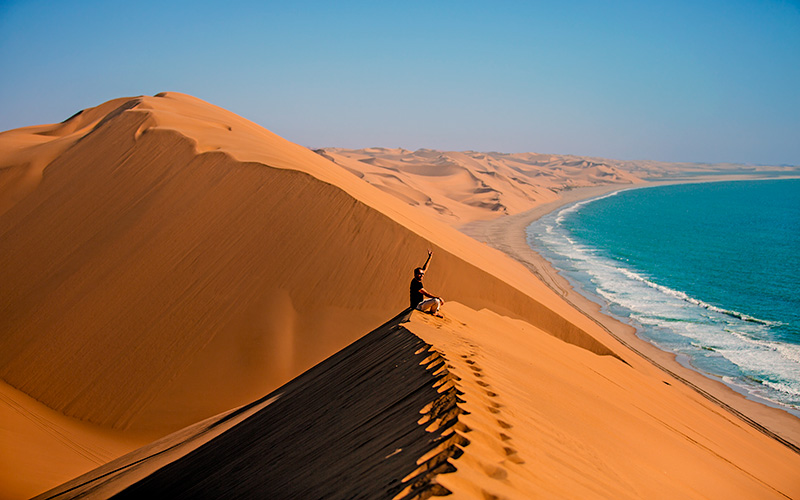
column 708, row 271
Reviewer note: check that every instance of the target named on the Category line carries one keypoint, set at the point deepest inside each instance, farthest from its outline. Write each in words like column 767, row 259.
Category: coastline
column 508, row 234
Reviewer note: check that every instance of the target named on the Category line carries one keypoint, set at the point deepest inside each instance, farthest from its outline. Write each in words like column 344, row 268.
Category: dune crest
column 26, row 152
column 548, row 420
column 390, row 436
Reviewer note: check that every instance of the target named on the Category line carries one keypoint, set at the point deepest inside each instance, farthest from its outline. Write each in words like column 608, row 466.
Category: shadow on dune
column 355, row 425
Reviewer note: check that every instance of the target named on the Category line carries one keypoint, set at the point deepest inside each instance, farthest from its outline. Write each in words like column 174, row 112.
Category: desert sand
column 164, row 261
column 459, row 187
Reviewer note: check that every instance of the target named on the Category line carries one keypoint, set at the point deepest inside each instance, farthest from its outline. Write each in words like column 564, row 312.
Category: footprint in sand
column 512, row 456
column 495, row 471
column 490, row 496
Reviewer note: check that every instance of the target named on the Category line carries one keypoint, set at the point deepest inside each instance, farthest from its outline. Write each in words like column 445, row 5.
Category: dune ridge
column 314, row 437
column 501, row 427
column 27, row 151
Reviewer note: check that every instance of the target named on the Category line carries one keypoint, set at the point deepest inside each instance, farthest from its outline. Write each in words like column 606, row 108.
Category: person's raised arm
column 425, row 266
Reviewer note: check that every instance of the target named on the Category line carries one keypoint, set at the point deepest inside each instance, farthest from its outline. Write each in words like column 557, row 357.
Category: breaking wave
column 742, row 349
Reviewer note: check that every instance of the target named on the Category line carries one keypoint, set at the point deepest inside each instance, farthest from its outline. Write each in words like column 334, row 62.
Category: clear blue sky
column 705, row 81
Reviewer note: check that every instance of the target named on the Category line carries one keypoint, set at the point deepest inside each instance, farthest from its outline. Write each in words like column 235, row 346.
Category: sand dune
column 468, row 186
column 142, row 260
column 176, row 260
column 459, row 187
column 164, row 260
column 27, row 151
column 606, row 430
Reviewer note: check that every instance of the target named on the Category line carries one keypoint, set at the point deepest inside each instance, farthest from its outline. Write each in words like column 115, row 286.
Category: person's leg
column 426, row 305
column 430, row 305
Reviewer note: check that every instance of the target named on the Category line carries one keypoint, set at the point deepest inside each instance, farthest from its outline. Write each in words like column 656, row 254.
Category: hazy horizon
column 708, row 82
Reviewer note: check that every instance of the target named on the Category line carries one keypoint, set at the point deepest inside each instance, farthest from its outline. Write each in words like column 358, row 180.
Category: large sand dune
column 164, row 260
column 170, row 260
column 150, row 261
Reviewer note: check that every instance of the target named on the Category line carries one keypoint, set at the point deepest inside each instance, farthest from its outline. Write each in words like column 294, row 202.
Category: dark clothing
column 416, row 295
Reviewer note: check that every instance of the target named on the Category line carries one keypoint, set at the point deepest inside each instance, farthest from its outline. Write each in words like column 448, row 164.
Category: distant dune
column 459, row 187
column 164, row 261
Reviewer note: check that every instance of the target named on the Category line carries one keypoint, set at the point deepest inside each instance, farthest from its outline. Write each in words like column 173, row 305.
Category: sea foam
column 740, row 348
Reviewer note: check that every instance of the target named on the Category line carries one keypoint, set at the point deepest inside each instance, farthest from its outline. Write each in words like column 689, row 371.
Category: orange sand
column 164, row 260
column 549, row 420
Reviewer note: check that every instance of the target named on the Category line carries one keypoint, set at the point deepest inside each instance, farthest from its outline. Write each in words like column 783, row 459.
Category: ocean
column 708, row 271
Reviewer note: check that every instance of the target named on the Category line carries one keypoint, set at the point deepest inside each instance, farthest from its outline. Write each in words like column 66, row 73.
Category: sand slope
column 175, row 260
column 548, row 420
column 496, row 409
column 315, row 437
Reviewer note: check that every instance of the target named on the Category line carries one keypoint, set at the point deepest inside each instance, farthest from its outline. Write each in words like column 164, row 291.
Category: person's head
column 419, row 273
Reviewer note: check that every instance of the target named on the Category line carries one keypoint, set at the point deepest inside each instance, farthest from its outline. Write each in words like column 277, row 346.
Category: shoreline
column 508, row 234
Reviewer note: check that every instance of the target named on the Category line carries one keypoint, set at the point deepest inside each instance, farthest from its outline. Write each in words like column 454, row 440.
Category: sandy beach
column 508, row 235
column 166, row 262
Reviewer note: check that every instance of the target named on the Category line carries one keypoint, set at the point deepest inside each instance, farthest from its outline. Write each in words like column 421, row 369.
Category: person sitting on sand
column 430, row 305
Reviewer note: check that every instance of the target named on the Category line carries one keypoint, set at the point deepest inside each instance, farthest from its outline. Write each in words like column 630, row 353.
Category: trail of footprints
column 494, row 407
column 494, row 471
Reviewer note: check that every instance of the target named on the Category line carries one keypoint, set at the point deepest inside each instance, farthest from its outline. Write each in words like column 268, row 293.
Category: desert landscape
column 171, row 270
